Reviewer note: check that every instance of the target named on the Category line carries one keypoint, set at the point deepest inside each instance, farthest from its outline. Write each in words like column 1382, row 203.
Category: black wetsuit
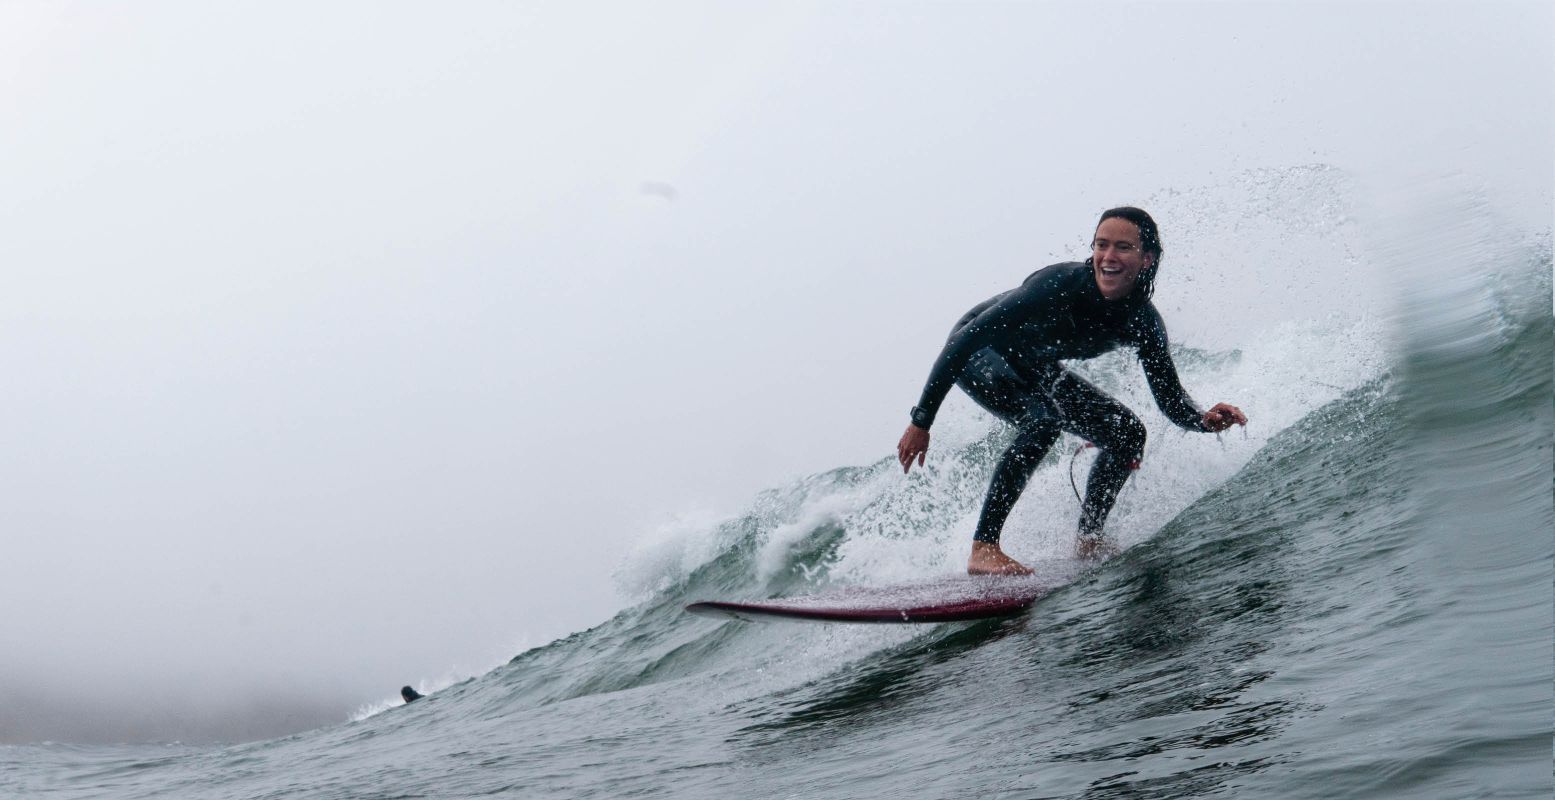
column 1005, row 354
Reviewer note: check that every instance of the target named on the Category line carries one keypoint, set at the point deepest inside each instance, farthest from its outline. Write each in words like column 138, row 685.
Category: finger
column 921, row 456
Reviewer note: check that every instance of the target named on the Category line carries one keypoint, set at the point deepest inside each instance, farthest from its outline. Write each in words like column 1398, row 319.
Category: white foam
column 828, row 509
column 668, row 552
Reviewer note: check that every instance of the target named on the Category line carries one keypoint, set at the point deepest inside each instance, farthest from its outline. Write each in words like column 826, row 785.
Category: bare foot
column 988, row 559
column 1094, row 548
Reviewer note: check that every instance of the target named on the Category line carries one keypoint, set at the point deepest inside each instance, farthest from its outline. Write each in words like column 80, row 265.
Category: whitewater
column 1351, row 598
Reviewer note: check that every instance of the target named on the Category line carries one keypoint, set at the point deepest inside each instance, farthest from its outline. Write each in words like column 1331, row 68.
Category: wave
column 1395, row 492
column 1354, row 599
column 870, row 525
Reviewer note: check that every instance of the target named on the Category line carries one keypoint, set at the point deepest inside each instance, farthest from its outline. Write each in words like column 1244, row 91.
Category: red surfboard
column 946, row 600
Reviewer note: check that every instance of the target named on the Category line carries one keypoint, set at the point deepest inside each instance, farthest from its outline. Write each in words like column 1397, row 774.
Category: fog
column 352, row 345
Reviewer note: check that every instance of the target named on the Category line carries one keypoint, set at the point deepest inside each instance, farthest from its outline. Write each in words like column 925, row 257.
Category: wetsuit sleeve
column 1161, row 374
column 992, row 322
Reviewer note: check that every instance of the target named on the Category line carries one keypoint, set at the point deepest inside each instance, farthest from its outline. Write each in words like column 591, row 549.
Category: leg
column 1009, row 478
column 1108, row 475
column 1087, row 412
column 1010, row 396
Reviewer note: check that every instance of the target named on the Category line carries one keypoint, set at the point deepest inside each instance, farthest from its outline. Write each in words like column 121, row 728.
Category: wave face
column 1353, row 601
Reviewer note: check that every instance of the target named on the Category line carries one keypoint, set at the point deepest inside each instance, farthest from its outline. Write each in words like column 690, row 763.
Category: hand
column 914, row 444
column 1223, row 416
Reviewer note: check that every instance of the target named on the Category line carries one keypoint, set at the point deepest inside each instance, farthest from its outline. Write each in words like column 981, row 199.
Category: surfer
column 1005, row 354
column 410, row 694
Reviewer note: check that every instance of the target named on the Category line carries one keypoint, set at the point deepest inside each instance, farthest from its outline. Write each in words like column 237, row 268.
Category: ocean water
column 1353, row 598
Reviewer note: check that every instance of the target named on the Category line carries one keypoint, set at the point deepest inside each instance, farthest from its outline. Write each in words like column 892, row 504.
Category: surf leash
column 1072, row 483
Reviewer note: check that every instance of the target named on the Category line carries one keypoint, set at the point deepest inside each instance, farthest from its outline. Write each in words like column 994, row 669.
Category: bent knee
column 1126, row 438
column 1034, row 440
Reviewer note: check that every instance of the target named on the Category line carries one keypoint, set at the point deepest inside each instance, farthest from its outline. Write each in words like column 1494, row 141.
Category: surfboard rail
column 945, row 600
column 949, row 613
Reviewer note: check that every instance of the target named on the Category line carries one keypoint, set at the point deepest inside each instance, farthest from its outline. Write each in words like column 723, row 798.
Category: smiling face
column 1117, row 257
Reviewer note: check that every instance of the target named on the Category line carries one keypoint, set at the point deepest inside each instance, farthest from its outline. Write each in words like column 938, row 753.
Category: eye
column 1123, row 247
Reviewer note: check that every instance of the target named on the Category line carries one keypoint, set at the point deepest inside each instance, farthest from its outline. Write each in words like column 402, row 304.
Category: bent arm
column 1161, row 374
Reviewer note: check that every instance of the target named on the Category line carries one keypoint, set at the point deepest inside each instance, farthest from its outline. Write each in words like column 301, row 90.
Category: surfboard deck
column 949, row 599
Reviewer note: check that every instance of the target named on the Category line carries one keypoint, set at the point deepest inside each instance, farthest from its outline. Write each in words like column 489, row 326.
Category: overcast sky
column 354, row 344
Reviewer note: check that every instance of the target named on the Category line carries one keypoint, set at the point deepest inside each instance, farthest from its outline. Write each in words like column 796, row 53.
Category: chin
column 1118, row 290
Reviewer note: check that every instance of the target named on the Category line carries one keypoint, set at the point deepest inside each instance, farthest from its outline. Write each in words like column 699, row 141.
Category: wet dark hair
column 410, row 694
column 1149, row 241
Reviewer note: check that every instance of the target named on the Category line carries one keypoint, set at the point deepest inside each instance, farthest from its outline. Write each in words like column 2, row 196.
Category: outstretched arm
column 994, row 321
column 1161, row 374
column 1223, row 416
